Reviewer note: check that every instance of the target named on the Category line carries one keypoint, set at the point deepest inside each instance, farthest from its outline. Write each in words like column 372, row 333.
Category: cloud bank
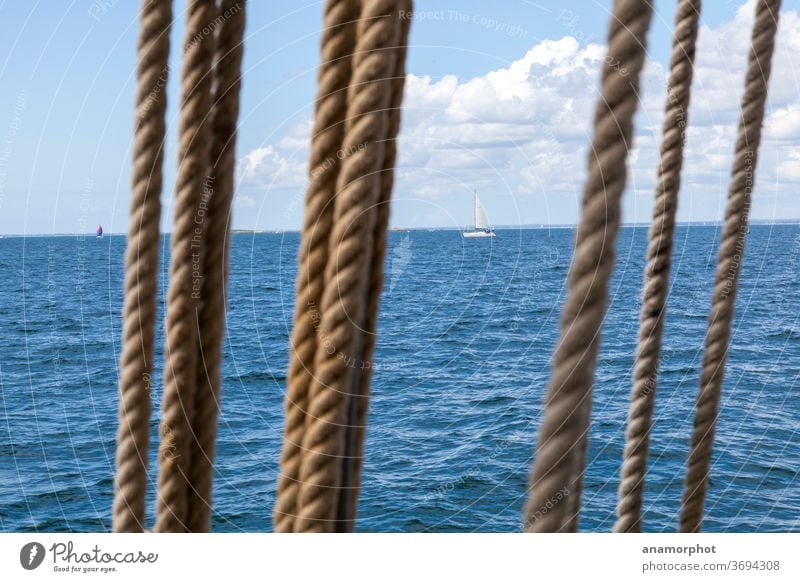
column 519, row 134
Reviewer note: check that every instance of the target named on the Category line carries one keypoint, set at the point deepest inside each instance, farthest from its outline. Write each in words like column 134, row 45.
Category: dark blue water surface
column 466, row 332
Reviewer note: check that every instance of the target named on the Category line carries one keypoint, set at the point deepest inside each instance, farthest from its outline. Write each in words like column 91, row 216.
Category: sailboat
column 99, row 231
column 482, row 228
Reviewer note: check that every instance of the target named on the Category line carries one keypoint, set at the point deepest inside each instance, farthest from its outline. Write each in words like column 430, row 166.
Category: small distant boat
column 99, row 231
column 482, row 228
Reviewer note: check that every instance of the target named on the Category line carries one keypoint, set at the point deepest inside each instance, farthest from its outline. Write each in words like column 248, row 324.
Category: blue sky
column 499, row 98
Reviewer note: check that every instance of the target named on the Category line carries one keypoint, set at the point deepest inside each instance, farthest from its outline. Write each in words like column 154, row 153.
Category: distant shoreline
column 788, row 222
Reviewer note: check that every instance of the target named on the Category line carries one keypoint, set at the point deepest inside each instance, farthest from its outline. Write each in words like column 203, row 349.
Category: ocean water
column 467, row 328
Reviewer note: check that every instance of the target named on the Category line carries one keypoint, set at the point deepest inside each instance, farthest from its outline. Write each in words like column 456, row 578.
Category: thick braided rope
column 573, row 500
column 338, row 43
column 141, row 267
column 180, row 369
column 729, row 262
column 656, row 284
column 562, row 437
column 344, row 292
column 379, row 237
column 224, row 113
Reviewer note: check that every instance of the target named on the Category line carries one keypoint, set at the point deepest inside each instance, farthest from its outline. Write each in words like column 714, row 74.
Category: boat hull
column 478, row 234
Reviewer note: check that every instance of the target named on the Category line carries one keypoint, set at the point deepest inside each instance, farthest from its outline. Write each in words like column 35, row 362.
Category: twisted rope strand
column 180, row 370
column 562, row 436
column 379, row 237
column 344, row 291
column 338, row 43
column 141, row 267
column 656, row 284
column 729, row 262
column 225, row 112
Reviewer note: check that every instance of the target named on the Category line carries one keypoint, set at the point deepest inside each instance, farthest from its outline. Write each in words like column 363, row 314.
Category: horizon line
column 756, row 222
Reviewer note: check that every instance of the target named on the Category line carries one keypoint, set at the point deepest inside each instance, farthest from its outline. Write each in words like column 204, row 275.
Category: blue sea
column 467, row 328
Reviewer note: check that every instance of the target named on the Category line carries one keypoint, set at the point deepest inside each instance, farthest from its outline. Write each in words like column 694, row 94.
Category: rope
column 562, row 436
column 344, row 292
column 180, row 370
column 225, row 111
column 141, row 266
column 379, row 237
column 656, row 284
column 729, row 262
column 338, row 43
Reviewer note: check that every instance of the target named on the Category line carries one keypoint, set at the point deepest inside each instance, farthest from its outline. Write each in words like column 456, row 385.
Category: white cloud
column 268, row 167
column 789, row 168
column 522, row 131
column 784, row 123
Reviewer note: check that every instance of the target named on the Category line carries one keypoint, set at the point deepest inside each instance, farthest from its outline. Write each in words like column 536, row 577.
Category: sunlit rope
column 141, row 267
column 338, row 43
column 729, row 261
column 659, row 256
column 560, row 457
column 181, row 348
column 323, row 503
column 211, row 318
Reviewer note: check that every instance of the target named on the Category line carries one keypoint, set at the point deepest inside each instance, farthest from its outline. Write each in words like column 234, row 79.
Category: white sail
column 481, row 221
column 482, row 228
